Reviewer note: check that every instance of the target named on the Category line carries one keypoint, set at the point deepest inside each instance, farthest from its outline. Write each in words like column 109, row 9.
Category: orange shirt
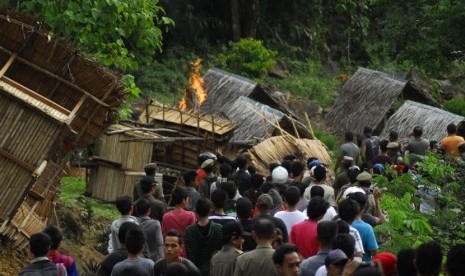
column 451, row 144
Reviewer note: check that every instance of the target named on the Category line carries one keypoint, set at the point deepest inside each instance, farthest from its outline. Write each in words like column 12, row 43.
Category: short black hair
column 142, row 206
column 176, row 269
column 257, row 181
column 292, row 195
column 417, row 131
column 287, row 164
column 367, row 131
column 208, row 169
column 349, row 136
column 319, row 173
column 124, row 204
column 428, row 258
column 135, row 241
column 264, row 228
column 150, row 170
column 178, row 195
column 174, row 233
column 326, row 231
column 393, row 135
column 273, row 166
column 123, row 230
column 383, row 145
column 203, row 207
column 405, row 262
column 352, row 173
column 316, row 208
column 39, row 244
column 360, row 198
column 346, row 243
column 451, row 128
column 218, row 198
column 146, row 184
column 225, row 170
column 55, row 236
column 189, row 178
column 244, row 207
column 297, row 168
column 317, row 191
column 282, row 251
column 229, row 187
column 348, row 210
column 241, row 162
column 342, row 227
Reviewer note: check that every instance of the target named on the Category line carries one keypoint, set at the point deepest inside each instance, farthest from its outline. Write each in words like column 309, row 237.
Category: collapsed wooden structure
column 433, row 120
column 51, row 99
column 367, row 99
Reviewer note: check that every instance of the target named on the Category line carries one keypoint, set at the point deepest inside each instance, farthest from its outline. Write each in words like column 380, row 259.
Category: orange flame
column 196, row 85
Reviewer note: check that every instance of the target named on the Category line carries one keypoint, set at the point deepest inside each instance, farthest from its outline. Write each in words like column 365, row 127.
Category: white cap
column 279, row 175
column 351, row 190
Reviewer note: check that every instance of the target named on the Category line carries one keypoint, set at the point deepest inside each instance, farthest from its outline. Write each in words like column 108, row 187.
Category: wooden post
column 309, row 125
column 295, row 127
column 7, row 64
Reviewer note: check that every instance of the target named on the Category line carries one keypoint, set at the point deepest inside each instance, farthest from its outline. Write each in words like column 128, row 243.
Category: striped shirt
column 68, row 261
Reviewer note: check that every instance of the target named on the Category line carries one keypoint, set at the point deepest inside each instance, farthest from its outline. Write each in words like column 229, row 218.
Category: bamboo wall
column 108, row 183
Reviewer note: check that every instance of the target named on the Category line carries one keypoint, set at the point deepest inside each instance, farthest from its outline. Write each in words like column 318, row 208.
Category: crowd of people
column 226, row 219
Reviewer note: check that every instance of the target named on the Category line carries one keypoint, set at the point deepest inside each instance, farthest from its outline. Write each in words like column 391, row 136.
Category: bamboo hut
column 119, row 160
column 277, row 147
column 433, row 120
column 195, row 134
column 50, row 96
column 367, row 100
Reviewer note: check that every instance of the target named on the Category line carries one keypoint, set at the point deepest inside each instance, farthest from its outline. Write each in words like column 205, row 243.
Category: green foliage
column 248, row 58
column 306, row 79
column 71, row 196
column 456, row 106
column 327, row 139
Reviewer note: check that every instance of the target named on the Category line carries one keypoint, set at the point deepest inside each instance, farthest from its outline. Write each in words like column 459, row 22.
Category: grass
column 71, row 196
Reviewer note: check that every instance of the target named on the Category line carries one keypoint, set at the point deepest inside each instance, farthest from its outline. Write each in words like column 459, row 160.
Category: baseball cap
column 207, row 163
column 335, row 256
column 234, row 229
column 265, row 201
column 279, row 175
column 313, row 163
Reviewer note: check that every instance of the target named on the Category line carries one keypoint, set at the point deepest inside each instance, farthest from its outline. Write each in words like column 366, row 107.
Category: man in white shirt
column 291, row 215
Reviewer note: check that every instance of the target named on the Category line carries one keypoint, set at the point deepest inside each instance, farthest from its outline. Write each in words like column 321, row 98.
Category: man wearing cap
column 343, row 177
column 148, row 188
column 260, row 260
column 205, row 176
column 150, row 170
column 373, row 214
column 319, row 174
column 265, row 206
column 224, row 261
column 392, row 151
column 349, row 148
column 334, row 263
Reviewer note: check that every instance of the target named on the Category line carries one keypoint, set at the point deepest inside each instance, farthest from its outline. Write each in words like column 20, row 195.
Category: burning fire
column 195, row 95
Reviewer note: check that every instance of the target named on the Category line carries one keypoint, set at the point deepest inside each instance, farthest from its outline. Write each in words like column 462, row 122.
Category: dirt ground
column 82, row 241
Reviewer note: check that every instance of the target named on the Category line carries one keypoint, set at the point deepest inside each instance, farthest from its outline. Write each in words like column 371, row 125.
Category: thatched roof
column 276, row 148
column 223, row 89
column 433, row 120
column 364, row 100
column 50, row 68
column 367, row 100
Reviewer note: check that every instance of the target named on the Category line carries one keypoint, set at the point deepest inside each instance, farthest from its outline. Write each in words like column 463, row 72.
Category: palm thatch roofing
column 222, row 89
column 433, row 120
column 50, row 96
column 367, row 99
column 276, row 148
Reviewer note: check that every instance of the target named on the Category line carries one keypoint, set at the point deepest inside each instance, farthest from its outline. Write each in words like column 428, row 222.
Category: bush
column 456, row 106
column 248, row 58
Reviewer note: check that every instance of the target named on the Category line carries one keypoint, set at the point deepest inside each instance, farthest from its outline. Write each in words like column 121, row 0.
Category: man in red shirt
column 178, row 218
column 304, row 234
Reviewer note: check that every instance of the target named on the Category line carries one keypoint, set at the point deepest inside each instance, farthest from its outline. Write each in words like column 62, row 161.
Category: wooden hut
column 433, row 120
column 119, row 160
column 196, row 133
column 367, row 99
column 50, row 96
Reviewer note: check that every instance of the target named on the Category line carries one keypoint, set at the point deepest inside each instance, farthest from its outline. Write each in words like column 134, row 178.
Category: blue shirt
column 368, row 238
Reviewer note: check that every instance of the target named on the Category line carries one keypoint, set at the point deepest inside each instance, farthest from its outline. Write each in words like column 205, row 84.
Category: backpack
column 375, row 145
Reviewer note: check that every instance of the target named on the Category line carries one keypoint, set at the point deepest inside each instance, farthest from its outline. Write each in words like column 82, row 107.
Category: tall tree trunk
column 235, row 20
column 250, row 18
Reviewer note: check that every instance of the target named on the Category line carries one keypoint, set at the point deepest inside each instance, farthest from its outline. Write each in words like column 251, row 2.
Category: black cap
column 148, row 181
column 234, row 229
